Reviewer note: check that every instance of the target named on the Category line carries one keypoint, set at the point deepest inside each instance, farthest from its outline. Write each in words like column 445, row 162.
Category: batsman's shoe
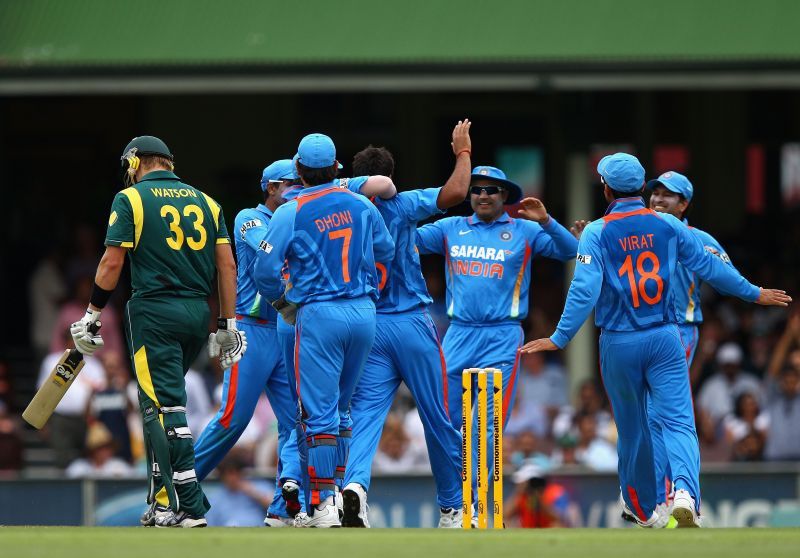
column 683, row 510
column 180, row 519
column 450, row 518
column 153, row 512
column 328, row 516
column 355, row 506
column 273, row 520
column 291, row 495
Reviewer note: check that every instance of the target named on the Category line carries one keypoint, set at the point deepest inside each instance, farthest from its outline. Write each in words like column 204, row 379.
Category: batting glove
column 228, row 343
column 87, row 340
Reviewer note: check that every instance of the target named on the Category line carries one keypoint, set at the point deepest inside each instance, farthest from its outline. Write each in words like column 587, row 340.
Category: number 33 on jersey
column 160, row 219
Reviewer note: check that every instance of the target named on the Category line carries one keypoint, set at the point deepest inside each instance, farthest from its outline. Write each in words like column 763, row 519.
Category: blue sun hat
column 497, row 176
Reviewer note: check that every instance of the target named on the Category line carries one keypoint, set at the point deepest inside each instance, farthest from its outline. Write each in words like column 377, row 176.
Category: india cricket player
column 672, row 193
column 176, row 240
column 626, row 272
column 263, row 368
column 406, row 344
column 330, row 241
column 487, row 259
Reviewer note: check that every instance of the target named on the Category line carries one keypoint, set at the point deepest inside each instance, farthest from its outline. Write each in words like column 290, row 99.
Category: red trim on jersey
column 302, row 200
column 617, row 216
column 444, row 378
column 297, row 331
column 242, row 317
column 510, row 389
column 230, row 401
column 635, row 501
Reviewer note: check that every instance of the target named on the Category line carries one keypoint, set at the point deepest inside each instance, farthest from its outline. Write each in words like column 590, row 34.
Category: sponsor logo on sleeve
column 584, row 259
column 265, row 246
column 247, row 225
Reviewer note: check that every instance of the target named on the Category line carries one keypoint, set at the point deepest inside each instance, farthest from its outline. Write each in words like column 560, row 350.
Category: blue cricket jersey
column 404, row 287
column 251, row 221
column 687, row 290
column 488, row 264
column 626, row 271
column 331, row 240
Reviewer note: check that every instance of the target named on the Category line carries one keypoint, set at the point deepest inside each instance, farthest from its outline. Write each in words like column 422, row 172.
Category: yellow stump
column 497, row 473
column 483, row 484
column 466, row 446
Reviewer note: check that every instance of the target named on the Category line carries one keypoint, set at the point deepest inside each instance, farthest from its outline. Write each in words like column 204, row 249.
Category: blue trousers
column 406, row 350
column 332, row 342
column 481, row 346
column 260, row 369
column 637, row 365
column 689, row 337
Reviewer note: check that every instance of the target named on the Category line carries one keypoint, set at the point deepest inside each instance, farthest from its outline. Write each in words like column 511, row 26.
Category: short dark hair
column 617, row 194
column 315, row 177
column 373, row 160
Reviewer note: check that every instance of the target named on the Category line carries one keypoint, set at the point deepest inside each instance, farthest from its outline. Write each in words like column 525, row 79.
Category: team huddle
column 324, row 308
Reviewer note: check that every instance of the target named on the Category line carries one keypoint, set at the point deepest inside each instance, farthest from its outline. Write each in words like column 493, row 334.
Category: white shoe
column 276, row 521
column 655, row 521
column 354, row 506
column 683, row 510
column 450, row 518
column 180, row 519
column 155, row 511
column 328, row 516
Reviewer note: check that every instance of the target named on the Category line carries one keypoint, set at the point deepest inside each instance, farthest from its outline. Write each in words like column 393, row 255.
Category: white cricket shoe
column 273, row 520
column 655, row 521
column 328, row 516
column 354, row 506
column 153, row 512
column 450, row 518
column 683, row 509
column 180, row 519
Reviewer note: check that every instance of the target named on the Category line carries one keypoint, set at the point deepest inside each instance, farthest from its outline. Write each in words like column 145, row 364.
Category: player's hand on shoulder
column 773, row 297
column 539, row 345
column 534, row 210
column 461, row 140
column 85, row 332
column 228, row 343
column 577, row 228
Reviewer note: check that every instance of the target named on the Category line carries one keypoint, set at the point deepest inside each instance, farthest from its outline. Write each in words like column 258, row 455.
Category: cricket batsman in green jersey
column 176, row 239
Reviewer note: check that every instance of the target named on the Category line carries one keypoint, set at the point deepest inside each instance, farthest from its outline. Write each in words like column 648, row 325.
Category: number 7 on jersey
column 345, row 234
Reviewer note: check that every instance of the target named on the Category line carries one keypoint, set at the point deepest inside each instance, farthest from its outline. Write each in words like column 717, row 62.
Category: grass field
column 68, row 542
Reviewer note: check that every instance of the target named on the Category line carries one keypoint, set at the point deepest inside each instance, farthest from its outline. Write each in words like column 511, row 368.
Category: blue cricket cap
column 282, row 169
column 674, row 182
column 316, row 151
column 494, row 174
column 622, row 172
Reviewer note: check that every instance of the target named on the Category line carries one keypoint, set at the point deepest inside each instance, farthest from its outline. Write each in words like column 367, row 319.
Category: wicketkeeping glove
column 286, row 309
column 86, row 341
column 228, row 343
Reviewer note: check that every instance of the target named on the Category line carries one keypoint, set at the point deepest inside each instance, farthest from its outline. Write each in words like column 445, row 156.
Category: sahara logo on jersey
column 247, row 225
column 265, row 246
column 584, row 259
column 475, row 268
column 479, row 252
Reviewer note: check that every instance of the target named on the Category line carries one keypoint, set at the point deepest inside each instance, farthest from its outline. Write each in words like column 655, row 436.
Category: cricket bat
column 49, row 395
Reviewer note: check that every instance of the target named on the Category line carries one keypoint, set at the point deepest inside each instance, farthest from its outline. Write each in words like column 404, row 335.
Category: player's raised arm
column 455, row 189
column 582, row 297
column 378, row 186
column 724, row 278
column 558, row 243
column 430, row 239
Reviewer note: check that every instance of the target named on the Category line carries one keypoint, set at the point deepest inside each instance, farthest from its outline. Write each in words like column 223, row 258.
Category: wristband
column 469, row 151
column 226, row 323
column 99, row 297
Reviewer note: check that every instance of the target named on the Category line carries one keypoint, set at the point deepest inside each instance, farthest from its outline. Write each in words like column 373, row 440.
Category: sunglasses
column 490, row 190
